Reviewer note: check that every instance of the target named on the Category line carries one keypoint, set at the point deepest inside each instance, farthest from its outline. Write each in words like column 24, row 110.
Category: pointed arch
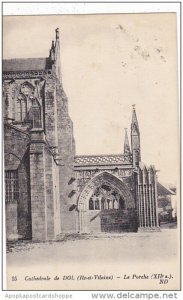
column 108, row 179
column 12, row 161
column 106, row 204
column 27, row 88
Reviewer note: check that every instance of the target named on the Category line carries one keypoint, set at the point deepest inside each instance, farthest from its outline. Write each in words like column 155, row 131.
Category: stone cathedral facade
column 49, row 190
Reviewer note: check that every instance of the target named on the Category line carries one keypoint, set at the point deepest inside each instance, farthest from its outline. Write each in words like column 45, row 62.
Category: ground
column 116, row 255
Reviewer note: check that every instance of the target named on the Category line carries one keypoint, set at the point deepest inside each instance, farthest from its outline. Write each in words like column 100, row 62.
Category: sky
column 110, row 62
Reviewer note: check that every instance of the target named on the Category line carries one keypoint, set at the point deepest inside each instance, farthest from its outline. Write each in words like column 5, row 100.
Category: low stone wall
column 118, row 220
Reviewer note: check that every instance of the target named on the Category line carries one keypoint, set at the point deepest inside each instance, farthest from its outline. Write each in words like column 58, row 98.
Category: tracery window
column 102, row 203
column 36, row 115
column 11, row 186
column 106, row 197
column 25, row 100
column 21, row 107
column 121, row 203
column 97, row 204
column 91, row 204
column 108, row 203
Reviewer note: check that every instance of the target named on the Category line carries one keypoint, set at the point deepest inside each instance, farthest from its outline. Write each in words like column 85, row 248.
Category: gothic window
column 108, row 203
column 97, row 204
column 11, row 186
column 19, row 110
column 30, row 102
column 97, row 192
column 115, row 204
column 21, row 107
column 29, row 109
column 121, row 203
column 91, row 204
column 25, row 101
column 106, row 197
column 36, row 115
column 103, row 203
column 136, row 155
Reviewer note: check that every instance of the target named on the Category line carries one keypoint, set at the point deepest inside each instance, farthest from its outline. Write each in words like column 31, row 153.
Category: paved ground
column 142, row 246
column 147, row 252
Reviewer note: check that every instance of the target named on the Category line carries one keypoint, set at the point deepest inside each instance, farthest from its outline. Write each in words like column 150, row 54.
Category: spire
column 57, row 42
column 126, row 143
column 57, row 55
column 57, row 33
column 52, row 51
column 134, row 125
column 135, row 139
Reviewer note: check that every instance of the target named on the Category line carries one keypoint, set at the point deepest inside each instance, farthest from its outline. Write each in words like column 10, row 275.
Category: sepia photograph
column 91, row 152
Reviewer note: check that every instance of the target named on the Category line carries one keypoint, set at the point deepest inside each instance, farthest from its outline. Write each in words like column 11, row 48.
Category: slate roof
column 84, row 160
column 162, row 190
column 24, row 64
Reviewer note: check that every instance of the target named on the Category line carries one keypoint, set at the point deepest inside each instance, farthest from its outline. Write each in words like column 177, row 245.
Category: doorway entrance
column 106, row 205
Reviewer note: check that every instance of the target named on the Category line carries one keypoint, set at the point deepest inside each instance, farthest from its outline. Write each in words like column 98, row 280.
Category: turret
column 135, row 139
column 54, row 56
column 52, row 52
column 126, row 143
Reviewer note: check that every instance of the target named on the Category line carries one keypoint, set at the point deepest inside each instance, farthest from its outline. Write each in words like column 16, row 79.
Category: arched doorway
column 106, row 197
column 106, row 205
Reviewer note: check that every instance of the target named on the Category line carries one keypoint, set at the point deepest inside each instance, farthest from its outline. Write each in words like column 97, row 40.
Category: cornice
column 26, row 74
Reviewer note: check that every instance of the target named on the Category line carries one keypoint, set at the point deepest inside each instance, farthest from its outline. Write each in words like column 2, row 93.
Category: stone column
column 38, row 188
column 50, row 195
column 150, row 200
column 156, row 200
column 80, row 215
column 140, row 206
column 147, row 203
column 153, row 211
column 144, row 201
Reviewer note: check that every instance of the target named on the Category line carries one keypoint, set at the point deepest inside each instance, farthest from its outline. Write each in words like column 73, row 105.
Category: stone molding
column 84, row 160
column 25, row 74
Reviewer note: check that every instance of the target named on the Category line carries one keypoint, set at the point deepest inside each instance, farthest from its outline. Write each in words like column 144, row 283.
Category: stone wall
column 44, row 189
column 50, row 111
column 24, row 202
column 119, row 221
column 8, row 92
column 38, row 207
column 112, row 220
column 17, row 158
column 11, row 221
column 52, row 199
column 16, row 142
column 38, row 195
column 91, row 221
column 66, row 150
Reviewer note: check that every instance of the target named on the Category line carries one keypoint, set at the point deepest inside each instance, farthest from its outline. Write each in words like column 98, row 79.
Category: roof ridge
column 165, row 187
column 20, row 58
column 96, row 155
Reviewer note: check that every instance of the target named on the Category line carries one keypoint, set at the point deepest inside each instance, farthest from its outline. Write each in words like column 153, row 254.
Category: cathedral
column 49, row 190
